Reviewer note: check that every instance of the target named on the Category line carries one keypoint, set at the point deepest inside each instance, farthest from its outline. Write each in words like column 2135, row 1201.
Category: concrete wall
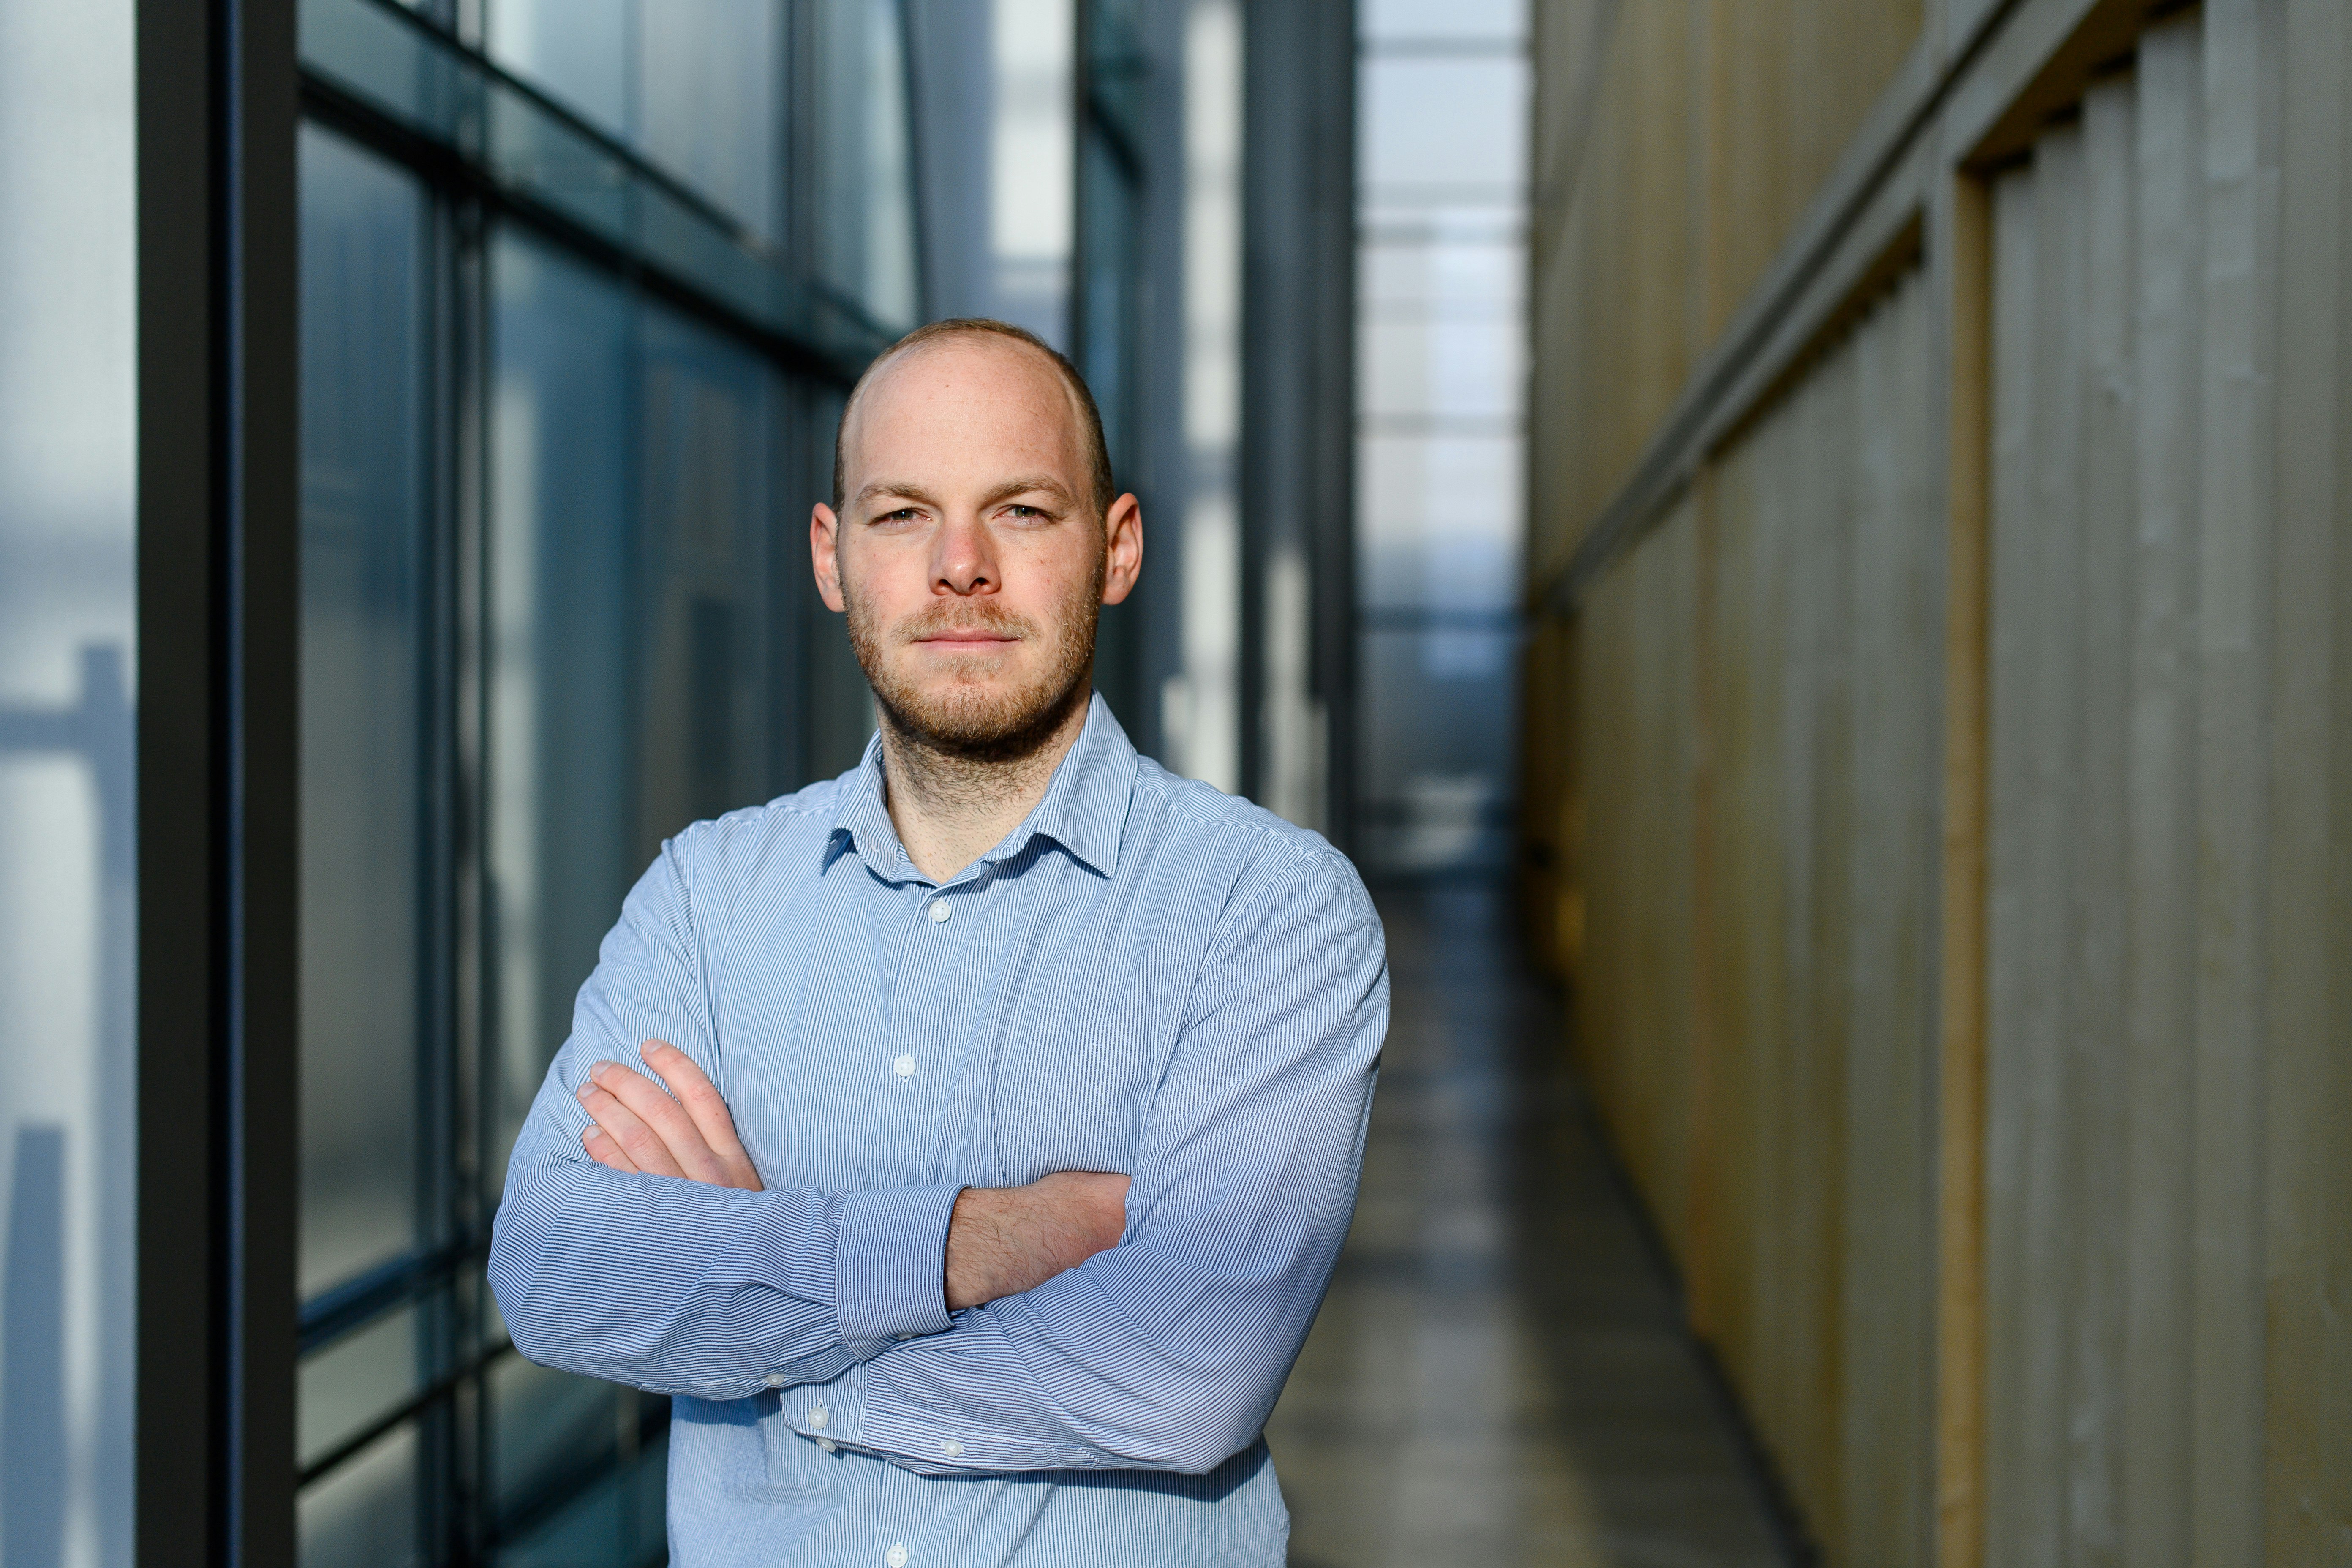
column 1936, row 745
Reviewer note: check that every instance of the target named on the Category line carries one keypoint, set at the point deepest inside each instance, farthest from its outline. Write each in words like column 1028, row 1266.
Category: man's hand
column 1005, row 1240
column 1001, row 1241
column 640, row 1128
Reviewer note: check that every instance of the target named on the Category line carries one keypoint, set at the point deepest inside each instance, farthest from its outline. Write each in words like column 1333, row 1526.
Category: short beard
column 977, row 721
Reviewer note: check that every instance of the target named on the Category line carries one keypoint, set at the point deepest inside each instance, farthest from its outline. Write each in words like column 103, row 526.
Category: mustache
column 982, row 617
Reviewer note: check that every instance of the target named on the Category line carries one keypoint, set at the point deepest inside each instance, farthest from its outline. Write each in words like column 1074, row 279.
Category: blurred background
column 1795, row 542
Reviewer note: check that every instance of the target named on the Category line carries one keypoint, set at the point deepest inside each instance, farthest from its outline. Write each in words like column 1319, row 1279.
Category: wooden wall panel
column 1785, row 615
column 2159, row 921
column 1887, row 1163
column 1679, row 143
column 2308, row 1386
column 1764, row 740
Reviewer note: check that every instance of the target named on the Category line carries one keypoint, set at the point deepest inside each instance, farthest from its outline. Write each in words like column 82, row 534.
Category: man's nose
column 964, row 559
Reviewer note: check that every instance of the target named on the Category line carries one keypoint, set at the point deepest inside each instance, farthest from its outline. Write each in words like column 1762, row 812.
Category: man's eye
column 903, row 514
column 1017, row 509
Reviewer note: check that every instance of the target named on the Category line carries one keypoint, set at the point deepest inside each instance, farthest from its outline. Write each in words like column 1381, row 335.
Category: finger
column 705, row 1105
column 638, row 1141
column 670, row 1123
column 605, row 1152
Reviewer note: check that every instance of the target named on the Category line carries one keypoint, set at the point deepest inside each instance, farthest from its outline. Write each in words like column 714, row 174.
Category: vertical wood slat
column 2158, row 916
column 2016, row 268
column 2036, row 690
column 2232, row 783
column 2094, row 1016
column 1884, row 1172
column 1961, row 1108
column 2308, row 1383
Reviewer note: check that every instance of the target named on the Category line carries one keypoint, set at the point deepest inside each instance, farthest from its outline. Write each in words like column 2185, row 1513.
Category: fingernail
column 652, row 1045
column 584, row 1090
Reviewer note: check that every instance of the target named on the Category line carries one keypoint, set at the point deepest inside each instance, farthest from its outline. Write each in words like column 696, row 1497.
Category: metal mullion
column 443, row 1335
column 217, row 779
column 473, row 1041
column 423, row 1402
column 450, row 171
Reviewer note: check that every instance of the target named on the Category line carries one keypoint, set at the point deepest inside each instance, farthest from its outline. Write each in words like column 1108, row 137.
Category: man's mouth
column 969, row 637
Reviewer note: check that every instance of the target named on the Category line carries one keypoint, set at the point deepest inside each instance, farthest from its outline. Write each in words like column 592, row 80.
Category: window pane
column 364, row 787
column 634, row 508
column 695, row 86
column 68, row 673
column 356, row 1380
column 706, row 424
column 577, row 1470
column 711, row 111
column 865, row 230
column 366, row 1511
column 562, row 842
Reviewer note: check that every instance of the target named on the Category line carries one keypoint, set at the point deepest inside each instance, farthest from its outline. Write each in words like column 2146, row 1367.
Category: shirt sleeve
column 1167, row 1351
column 678, row 1287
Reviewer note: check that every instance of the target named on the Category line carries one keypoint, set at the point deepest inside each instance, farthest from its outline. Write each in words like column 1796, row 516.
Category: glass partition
column 68, row 685
column 567, row 396
column 1442, row 146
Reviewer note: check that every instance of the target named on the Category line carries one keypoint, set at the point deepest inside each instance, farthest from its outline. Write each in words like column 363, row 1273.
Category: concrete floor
column 1501, row 1373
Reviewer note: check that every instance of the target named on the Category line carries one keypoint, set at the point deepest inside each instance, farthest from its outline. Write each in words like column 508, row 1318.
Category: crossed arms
column 1002, row 1241
column 955, row 1330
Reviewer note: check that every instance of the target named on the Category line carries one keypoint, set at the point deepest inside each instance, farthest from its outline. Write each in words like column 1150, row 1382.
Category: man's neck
column 950, row 808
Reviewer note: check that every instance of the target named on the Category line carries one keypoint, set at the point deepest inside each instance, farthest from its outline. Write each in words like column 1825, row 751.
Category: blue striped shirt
column 1147, row 977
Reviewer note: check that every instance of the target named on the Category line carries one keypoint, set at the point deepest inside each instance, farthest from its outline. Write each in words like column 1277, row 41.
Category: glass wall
column 68, row 663
column 1107, row 316
column 569, row 380
column 1443, row 93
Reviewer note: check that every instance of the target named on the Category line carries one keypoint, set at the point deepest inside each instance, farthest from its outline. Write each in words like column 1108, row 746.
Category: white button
column 951, row 1447
column 939, row 911
column 827, row 1443
column 896, row 1557
column 816, row 1416
column 903, row 1067
column 776, row 1380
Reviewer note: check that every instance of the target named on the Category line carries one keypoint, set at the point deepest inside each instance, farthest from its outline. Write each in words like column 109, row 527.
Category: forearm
column 1138, row 1361
column 682, row 1287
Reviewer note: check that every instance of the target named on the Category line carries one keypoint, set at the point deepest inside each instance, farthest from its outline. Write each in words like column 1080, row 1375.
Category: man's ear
column 1123, row 546
column 825, row 558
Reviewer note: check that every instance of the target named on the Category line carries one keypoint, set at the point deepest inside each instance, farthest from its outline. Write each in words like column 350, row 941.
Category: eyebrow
column 1021, row 485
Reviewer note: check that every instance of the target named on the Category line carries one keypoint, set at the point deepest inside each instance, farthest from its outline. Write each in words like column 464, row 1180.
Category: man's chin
column 982, row 718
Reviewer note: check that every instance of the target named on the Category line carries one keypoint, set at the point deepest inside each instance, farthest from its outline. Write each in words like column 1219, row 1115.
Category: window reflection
column 865, row 228
column 365, row 796
column 555, row 609
column 692, row 85
column 369, row 1510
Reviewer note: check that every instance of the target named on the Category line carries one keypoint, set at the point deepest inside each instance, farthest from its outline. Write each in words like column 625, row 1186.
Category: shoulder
column 757, row 844
column 1263, row 855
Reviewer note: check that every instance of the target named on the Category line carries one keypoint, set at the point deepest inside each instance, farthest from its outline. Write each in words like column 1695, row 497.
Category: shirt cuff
column 890, row 1263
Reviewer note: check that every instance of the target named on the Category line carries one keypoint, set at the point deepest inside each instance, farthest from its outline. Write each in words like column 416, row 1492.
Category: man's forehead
column 975, row 376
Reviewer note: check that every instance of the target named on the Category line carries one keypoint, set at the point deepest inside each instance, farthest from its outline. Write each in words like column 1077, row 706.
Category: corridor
column 1501, row 1373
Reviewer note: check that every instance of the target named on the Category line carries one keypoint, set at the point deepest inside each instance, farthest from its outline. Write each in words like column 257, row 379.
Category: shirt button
column 817, row 1418
column 940, row 912
column 903, row 1067
column 896, row 1557
column 776, row 1380
column 827, row 1443
column 951, row 1449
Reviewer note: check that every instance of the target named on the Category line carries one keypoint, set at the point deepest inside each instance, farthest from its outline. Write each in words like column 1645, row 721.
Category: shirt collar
column 1083, row 811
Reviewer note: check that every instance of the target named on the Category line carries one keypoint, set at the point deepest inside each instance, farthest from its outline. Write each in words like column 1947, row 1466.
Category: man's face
column 968, row 554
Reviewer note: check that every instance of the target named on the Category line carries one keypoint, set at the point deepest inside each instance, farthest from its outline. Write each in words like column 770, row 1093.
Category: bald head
column 988, row 337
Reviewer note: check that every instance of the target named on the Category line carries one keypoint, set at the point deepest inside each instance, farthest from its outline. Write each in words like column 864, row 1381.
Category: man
column 1016, row 1089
